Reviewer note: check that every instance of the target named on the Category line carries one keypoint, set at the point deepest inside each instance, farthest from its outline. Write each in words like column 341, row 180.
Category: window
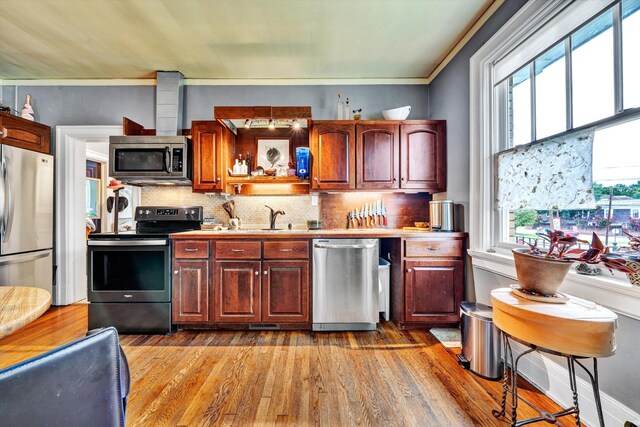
column 520, row 98
column 631, row 52
column 535, row 30
column 592, row 70
column 551, row 105
column 564, row 88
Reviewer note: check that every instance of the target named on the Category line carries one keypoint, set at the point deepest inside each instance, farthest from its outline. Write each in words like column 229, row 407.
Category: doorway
column 74, row 146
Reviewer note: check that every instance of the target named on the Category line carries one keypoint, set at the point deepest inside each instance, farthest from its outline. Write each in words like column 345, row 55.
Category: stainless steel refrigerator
column 26, row 218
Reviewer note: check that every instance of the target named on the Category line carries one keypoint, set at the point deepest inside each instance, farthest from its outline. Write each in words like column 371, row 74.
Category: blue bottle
column 302, row 162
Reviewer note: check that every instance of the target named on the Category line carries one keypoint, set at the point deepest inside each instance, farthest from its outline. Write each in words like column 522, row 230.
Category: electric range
column 129, row 273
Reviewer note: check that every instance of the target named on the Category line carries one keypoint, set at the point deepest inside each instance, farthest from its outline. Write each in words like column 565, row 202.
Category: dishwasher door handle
column 323, row 246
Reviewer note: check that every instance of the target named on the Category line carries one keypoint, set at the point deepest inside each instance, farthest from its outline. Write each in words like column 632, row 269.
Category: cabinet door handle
column 191, row 249
column 408, row 270
column 429, row 248
column 315, row 178
column 285, row 250
column 237, row 250
column 257, row 272
column 402, row 179
column 175, row 271
column 218, row 179
column 266, row 272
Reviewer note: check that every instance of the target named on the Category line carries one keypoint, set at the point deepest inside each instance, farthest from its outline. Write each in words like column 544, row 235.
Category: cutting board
column 415, row 229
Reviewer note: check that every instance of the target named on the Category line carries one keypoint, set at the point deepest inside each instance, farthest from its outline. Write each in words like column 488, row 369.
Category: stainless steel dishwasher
column 345, row 284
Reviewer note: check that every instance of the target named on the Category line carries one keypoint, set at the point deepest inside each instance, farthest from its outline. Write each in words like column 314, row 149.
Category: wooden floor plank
column 385, row 377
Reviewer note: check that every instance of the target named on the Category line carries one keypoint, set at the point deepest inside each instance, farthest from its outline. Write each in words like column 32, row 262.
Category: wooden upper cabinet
column 333, row 154
column 378, row 156
column 23, row 133
column 423, row 156
column 211, row 148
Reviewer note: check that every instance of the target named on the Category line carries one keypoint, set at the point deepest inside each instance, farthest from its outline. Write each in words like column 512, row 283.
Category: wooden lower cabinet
column 433, row 290
column 237, row 292
column 285, row 291
column 190, row 291
column 427, row 277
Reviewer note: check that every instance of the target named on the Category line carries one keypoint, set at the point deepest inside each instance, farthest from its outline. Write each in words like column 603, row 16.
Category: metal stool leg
column 505, row 377
column 574, row 388
column 596, row 388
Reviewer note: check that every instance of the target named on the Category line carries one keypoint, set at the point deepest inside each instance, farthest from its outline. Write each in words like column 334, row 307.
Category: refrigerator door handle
column 17, row 259
column 7, row 217
column 3, row 195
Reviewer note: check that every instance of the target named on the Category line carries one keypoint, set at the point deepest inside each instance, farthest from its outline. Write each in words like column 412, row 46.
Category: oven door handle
column 128, row 243
column 167, row 159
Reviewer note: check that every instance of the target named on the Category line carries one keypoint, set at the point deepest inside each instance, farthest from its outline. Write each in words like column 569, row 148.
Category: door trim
column 70, row 247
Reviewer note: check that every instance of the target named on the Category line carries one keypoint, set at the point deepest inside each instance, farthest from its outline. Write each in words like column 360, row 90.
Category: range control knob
column 192, row 212
column 140, row 212
column 147, row 212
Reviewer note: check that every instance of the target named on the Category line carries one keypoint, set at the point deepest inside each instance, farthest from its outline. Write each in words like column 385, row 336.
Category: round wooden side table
column 21, row 305
column 575, row 330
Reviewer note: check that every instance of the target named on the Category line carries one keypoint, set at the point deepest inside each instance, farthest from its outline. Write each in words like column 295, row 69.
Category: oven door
column 129, row 270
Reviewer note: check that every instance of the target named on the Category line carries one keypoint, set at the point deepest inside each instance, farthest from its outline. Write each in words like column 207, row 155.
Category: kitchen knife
column 364, row 215
column 384, row 214
column 368, row 214
column 375, row 213
column 379, row 210
column 348, row 220
column 358, row 217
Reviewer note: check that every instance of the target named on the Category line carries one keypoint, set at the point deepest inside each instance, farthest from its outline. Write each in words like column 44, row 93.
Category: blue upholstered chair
column 84, row 383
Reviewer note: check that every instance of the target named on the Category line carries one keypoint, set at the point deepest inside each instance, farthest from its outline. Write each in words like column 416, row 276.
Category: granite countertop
column 311, row 234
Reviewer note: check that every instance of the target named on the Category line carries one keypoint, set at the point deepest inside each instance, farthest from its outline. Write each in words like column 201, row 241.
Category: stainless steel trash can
column 481, row 344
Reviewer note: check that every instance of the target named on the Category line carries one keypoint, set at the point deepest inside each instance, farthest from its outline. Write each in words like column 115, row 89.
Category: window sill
column 609, row 291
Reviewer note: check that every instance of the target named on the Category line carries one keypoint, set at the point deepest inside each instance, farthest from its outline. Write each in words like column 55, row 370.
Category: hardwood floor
column 201, row 378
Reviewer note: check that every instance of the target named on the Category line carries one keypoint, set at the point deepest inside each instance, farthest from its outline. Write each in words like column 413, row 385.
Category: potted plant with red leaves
column 632, row 256
column 543, row 271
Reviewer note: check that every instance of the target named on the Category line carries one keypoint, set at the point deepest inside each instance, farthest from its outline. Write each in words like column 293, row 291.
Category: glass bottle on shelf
column 340, row 108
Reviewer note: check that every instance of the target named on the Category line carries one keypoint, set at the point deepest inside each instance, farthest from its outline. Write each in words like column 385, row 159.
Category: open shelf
column 267, row 180
column 268, row 185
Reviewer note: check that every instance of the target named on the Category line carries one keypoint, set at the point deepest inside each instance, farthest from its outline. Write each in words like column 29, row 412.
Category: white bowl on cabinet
column 399, row 113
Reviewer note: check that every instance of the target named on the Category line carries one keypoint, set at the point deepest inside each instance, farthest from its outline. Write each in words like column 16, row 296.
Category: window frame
column 511, row 47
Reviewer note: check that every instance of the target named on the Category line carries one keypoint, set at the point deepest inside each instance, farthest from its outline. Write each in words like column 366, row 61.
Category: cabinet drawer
column 191, row 249
column 450, row 248
column 293, row 249
column 236, row 250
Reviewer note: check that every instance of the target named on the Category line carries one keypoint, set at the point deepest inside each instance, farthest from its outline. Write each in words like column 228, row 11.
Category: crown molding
column 217, row 82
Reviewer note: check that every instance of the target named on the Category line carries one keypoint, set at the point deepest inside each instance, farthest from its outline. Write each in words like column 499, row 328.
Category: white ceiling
column 231, row 39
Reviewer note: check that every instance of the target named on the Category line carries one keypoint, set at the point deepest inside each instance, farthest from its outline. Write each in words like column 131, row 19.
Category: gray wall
column 449, row 100
column 93, row 105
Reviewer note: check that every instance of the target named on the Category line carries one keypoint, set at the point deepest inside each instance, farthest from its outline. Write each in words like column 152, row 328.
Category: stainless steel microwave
column 150, row 160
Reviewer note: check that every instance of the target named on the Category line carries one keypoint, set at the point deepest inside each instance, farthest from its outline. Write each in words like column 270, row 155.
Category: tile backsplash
column 251, row 209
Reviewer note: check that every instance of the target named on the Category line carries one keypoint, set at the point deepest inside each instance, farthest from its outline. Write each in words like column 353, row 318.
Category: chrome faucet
column 272, row 217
